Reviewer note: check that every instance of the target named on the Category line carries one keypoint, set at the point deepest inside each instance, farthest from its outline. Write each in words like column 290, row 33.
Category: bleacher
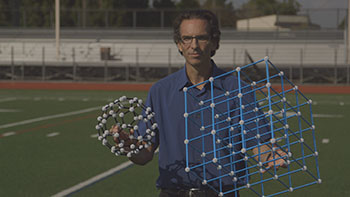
column 91, row 49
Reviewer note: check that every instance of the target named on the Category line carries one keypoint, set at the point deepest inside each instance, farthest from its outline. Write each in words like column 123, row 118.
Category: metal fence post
column 162, row 19
column 12, row 64
column 301, row 70
column 43, row 71
column 134, row 19
column 105, row 71
column 348, row 74
column 335, row 66
column 234, row 57
column 337, row 17
column 137, row 65
column 106, row 18
column 24, row 18
column 52, row 23
column 74, row 65
column 22, row 71
column 127, row 72
column 346, row 55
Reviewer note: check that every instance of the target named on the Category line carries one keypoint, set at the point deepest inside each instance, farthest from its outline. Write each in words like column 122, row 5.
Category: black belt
column 193, row 192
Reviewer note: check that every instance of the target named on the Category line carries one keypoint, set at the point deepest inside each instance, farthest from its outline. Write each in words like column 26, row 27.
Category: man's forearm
column 263, row 152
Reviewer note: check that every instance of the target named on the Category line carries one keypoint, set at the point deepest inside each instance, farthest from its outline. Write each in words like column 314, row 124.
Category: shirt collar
column 183, row 80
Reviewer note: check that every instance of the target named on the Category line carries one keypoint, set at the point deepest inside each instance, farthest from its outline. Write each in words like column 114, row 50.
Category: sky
column 310, row 3
column 326, row 13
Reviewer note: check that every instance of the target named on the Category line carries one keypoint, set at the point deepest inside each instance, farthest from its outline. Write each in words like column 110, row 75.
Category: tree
column 290, row 7
column 36, row 13
column 115, row 13
column 5, row 15
column 254, row 8
column 188, row 4
column 69, row 13
column 163, row 4
column 224, row 11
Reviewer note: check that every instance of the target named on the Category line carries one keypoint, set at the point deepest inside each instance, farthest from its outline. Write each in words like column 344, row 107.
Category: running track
column 317, row 89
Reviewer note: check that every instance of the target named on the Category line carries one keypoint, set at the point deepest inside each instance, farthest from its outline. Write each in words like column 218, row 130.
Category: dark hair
column 207, row 15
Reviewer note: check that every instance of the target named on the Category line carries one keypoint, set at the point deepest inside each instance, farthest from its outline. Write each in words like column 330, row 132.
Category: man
column 197, row 36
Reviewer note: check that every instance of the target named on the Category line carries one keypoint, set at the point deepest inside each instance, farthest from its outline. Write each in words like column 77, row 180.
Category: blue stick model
column 221, row 132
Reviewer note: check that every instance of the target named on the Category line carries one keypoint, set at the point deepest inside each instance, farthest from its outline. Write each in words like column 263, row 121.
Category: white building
column 275, row 22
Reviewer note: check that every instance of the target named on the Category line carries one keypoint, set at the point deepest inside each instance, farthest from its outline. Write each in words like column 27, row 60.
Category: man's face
column 195, row 43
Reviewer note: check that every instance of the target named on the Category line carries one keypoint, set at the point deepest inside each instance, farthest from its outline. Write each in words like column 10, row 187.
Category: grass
column 33, row 164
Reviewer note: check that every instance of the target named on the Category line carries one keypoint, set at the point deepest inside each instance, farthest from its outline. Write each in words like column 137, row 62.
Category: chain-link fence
column 141, row 18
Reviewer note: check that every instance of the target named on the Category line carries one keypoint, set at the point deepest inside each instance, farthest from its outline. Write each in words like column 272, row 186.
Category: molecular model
column 263, row 109
column 131, row 115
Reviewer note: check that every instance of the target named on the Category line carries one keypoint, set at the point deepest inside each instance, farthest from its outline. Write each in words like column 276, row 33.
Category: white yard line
column 52, row 134
column 328, row 116
column 314, row 115
column 48, row 117
column 325, row 140
column 8, row 134
column 94, row 135
column 9, row 110
column 7, row 99
column 93, row 179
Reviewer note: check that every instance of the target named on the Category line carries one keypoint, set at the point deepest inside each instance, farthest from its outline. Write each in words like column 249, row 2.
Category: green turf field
column 44, row 156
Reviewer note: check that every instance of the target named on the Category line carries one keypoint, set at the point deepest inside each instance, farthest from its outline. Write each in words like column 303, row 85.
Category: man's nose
column 194, row 43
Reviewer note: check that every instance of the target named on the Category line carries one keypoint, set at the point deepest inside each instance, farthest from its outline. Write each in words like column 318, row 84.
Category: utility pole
column 347, row 46
column 348, row 35
column 84, row 12
column 57, row 28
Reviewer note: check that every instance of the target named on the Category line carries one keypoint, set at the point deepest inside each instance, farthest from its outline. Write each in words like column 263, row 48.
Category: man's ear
column 215, row 45
column 179, row 47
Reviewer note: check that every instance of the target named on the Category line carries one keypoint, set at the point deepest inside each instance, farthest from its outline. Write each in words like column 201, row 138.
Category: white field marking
column 327, row 116
column 48, row 117
column 8, row 99
column 68, row 98
column 9, row 110
column 314, row 115
column 94, row 135
column 325, row 141
column 8, row 134
column 95, row 179
column 52, row 134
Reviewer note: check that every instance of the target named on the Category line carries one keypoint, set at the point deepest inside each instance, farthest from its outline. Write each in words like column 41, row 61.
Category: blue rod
column 186, row 128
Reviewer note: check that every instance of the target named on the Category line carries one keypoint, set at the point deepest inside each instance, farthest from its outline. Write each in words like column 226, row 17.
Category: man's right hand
column 144, row 156
column 123, row 138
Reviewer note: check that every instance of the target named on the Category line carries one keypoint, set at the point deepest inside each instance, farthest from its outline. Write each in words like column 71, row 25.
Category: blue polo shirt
column 166, row 98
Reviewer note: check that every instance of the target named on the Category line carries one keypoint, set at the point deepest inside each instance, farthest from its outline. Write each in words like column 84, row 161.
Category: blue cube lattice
column 218, row 139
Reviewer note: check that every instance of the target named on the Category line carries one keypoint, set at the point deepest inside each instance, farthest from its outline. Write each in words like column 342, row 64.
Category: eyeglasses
column 200, row 39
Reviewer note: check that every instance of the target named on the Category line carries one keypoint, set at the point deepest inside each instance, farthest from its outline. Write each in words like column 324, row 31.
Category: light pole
column 57, row 28
column 348, row 34
column 348, row 46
